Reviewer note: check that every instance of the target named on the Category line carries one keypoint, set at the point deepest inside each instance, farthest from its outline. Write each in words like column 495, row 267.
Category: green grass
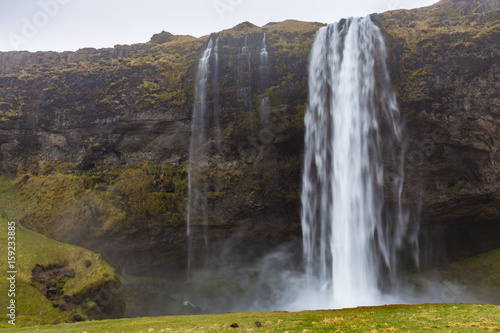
column 11, row 202
column 393, row 318
column 31, row 249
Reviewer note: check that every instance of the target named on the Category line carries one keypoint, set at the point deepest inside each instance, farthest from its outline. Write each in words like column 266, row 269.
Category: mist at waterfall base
column 354, row 243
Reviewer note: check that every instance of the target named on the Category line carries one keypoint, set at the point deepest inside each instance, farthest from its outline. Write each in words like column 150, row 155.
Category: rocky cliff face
column 96, row 149
column 446, row 69
column 94, row 143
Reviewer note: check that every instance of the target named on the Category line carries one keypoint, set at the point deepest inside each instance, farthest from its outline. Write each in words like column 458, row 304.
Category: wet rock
column 51, row 291
column 69, row 274
column 108, row 297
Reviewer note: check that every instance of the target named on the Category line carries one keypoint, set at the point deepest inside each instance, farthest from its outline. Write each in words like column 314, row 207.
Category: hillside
column 55, row 282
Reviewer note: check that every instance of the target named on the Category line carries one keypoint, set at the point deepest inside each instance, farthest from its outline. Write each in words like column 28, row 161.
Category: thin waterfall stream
column 264, row 103
column 197, row 200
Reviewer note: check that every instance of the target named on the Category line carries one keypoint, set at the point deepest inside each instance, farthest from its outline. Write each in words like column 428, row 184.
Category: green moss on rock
column 83, row 283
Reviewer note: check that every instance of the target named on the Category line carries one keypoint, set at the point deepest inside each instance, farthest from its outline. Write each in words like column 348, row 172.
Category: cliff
column 445, row 67
column 95, row 143
column 95, row 150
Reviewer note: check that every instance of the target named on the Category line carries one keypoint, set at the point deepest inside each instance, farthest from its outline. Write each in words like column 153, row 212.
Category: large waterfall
column 351, row 238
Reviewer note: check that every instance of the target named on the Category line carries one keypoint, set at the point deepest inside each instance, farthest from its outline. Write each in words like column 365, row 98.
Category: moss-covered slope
column 56, row 282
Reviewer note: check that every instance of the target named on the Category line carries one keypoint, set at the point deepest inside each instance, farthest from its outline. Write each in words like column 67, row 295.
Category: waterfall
column 265, row 109
column 197, row 197
column 263, row 55
column 244, row 50
column 244, row 75
column 216, row 96
column 351, row 238
column 264, row 103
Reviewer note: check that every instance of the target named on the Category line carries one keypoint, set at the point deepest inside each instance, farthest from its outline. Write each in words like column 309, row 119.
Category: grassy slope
column 31, row 249
column 480, row 275
column 72, row 206
column 394, row 318
column 11, row 202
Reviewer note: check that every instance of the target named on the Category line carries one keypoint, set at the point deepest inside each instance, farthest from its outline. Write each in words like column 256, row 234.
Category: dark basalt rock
column 69, row 275
column 107, row 297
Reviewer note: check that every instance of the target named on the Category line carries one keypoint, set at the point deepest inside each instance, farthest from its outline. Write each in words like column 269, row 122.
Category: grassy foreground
column 392, row 318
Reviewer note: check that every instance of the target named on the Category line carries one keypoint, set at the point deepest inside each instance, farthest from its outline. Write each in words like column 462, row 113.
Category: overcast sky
column 60, row 25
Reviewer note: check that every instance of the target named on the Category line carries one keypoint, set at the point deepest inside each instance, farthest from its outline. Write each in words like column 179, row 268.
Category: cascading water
column 264, row 110
column 197, row 198
column 216, row 95
column 350, row 238
column 263, row 56
column 264, row 103
column 244, row 75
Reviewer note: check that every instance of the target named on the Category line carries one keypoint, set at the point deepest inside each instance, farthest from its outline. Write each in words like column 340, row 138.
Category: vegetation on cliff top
column 453, row 35
column 150, row 77
column 451, row 19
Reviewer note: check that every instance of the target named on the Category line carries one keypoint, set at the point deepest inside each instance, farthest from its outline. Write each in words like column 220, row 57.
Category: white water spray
column 350, row 242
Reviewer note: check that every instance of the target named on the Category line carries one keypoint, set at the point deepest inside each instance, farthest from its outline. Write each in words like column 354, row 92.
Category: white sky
column 60, row 25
